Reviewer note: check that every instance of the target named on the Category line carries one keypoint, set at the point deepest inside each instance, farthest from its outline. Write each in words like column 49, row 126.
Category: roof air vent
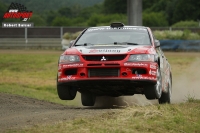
column 116, row 24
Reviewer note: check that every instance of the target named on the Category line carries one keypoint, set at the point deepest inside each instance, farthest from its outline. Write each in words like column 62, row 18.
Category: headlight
column 69, row 58
column 142, row 57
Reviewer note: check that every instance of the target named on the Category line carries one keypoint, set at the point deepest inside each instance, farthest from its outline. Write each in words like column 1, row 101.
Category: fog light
column 82, row 74
column 124, row 74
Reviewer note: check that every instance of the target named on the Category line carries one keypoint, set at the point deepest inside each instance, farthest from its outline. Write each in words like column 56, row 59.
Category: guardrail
column 57, row 32
column 180, row 45
column 37, row 32
column 55, row 43
column 51, row 37
column 32, row 43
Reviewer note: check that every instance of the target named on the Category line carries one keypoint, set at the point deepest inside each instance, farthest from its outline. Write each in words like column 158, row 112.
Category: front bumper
column 108, row 76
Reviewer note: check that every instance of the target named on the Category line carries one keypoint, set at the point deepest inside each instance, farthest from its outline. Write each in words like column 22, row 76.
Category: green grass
column 33, row 74
column 174, row 118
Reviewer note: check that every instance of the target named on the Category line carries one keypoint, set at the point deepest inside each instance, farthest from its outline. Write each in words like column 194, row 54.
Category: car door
column 162, row 64
column 165, row 70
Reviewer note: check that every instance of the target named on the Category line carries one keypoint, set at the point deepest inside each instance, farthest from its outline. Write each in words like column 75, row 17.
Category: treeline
column 40, row 6
column 156, row 13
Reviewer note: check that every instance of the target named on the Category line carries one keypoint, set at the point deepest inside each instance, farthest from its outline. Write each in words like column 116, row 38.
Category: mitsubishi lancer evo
column 115, row 60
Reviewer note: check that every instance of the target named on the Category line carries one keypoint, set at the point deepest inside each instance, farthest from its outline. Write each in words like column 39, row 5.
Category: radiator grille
column 104, row 57
column 103, row 72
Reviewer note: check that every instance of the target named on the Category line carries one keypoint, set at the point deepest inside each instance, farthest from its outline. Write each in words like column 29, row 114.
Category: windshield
column 109, row 36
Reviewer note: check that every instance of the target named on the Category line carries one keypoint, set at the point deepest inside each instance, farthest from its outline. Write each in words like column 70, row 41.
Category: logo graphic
column 104, row 51
column 103, row 59
column 16, row 11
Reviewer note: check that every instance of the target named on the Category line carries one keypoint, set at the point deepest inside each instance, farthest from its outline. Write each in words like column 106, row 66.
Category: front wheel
column 166, row 96
column 66, row 92
column 88, row 99
column 155, row 91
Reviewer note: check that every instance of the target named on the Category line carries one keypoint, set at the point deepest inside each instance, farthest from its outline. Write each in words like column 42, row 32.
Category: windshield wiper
column 85, row 44
column 127, row 43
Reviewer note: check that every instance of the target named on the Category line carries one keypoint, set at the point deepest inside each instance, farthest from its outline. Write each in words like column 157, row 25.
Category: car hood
column 111, row 49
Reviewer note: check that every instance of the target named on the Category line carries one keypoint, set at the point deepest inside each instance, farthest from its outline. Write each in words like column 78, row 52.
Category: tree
column 88, row 11
column 115, row 6
column 65, row 11
column 50, row 16
column 165, row 6
column 154, row 19
column 186, row 10
column 37, row 20
column 3, row 9
column 61, row 21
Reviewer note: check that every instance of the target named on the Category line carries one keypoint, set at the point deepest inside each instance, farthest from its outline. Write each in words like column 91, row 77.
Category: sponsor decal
column 119, row 28
column 69, row 77
column 93, row 51
column 153, row 66
column 151, row 72
column 138, row 75
column 104, row 51
column 72, row 65
column 135, row 64
column 150, row 78
column 127, row 69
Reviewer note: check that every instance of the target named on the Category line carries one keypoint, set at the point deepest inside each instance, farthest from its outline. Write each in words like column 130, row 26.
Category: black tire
column 155, row 91
column 166, row 96
column 66, row 92
column 88, row 99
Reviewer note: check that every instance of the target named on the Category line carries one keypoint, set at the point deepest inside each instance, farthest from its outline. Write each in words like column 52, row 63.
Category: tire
column 66, row 92
column 166, row 96
column 155, row 91
column 88, row 99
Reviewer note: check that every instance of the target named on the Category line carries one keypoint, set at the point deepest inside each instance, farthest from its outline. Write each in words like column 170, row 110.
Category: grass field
column 33, row 74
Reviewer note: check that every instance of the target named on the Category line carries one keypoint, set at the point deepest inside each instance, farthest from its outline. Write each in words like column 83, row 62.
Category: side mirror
column 71, row 43
column 157, row 43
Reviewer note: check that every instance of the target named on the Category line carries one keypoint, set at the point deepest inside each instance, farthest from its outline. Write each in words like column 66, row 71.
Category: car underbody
column 110, row 87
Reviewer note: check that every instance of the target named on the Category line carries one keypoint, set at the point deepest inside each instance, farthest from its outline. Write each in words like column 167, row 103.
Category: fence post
column 61, row 32
column 26, row 39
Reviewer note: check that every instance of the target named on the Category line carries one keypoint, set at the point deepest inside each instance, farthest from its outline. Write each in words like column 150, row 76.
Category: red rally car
column 115, row 60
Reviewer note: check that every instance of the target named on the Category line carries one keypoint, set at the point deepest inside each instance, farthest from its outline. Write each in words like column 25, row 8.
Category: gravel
column 17, row 112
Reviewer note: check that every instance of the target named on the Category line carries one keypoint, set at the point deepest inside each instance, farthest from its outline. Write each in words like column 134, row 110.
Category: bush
column 154, row 19
column 185, row 24
column 176, row 35
column 61, row 21
column 71, row 36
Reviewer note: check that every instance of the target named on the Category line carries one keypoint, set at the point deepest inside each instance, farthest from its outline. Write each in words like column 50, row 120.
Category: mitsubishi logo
column 103, row 59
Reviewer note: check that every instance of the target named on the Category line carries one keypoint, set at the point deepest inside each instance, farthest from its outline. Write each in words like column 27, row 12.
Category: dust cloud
column 184, row 86
column 187, row 85
column 123, row 101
